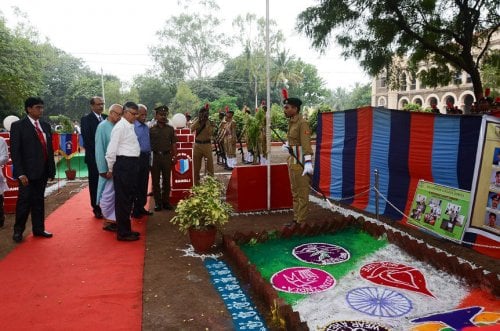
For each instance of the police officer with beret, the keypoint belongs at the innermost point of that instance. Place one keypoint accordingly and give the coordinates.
(163, 148)
(203, 129)
(300, 163)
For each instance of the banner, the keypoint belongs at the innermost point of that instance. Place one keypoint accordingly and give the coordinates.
(65, 143)
(440, 209)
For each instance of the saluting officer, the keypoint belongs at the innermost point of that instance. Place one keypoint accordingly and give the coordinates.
(163, 140)
(300, 163)
(203, 128)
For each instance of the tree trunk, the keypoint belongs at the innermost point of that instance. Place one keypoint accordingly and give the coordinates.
(477, 84)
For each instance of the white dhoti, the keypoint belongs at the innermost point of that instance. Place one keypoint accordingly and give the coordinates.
(107, 202)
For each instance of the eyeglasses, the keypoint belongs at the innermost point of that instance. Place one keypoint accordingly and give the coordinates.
(134, 113)
(116, 113)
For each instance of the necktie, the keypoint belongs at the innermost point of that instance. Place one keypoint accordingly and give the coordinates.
(99, 117)
(42, 139)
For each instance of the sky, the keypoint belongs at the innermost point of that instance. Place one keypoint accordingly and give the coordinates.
(115, 36)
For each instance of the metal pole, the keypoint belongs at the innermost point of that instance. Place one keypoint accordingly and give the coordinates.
(376, 193)
(268, 113)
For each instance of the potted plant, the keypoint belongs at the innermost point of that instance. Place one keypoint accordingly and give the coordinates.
(202, 213)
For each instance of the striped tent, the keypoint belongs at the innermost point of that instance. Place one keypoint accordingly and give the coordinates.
(403, 146)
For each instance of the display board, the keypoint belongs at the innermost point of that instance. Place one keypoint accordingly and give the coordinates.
(440, 209)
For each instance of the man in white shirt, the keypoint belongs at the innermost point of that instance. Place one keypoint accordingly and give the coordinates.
(122, 157)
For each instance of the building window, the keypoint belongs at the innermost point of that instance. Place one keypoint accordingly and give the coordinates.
(383, 81)
(403, 82)
(418, 101)
(413, 84)
(457, 79)
(381, 102)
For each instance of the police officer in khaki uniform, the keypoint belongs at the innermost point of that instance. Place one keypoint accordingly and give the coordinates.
(299, 143)
(163, 147)
(203, 129)
(229, 136)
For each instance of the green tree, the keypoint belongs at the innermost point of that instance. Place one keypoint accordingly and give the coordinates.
(310, 87)
(189, 46)
(441, 33)
(20, 68)
(251, 35)
(343, 99)
(153, 90)
(313, 118)
(185, 100)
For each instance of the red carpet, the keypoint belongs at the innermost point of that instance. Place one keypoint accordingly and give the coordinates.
(81, 279)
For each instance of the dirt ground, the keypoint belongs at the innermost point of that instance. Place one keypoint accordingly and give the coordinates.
(177, 293)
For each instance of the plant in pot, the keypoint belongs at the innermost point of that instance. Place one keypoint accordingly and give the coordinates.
(202, 213)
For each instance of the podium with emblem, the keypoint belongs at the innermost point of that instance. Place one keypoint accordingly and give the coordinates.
(182, 178)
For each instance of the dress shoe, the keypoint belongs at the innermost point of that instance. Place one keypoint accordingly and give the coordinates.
(44, 234)
(137, 214)
(168, 206)
(98, 214)
(146, 212)
(111, 227)
(129, 237)
(157, 207)
(228, 168)
(17, 237)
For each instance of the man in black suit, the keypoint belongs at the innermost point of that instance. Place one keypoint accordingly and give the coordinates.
(89, 124)
(33, 164)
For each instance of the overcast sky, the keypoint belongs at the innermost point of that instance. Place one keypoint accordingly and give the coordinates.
(115, 35)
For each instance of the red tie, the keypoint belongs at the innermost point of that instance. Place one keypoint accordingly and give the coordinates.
(42, 140)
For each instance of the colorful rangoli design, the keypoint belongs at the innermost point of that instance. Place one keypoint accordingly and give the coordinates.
(377, 301)
(302, 280)
(355, 326)
(321, 253)
(395, 275)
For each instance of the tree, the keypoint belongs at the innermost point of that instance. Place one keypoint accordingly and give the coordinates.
(185, 100)
(342, 99)
(439, 33)
(153, 90)
(20, 68)
(190, 46)
(251, 34)
(310, 87)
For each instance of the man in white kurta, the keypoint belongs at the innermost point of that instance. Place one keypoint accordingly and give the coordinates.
(105, 189)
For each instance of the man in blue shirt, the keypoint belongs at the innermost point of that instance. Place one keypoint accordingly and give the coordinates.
(142, 132)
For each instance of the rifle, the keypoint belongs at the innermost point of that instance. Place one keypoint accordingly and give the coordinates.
(238, 139)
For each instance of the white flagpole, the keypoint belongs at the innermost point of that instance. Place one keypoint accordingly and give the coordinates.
(268, 113)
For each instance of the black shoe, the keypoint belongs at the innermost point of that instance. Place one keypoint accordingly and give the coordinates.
(111, 227)
(129, 237)
(146, 212)
(157, 207)
(17, 237)
(43, 234)
(135, 233)
(2, 222)
(98, 214)
(168, 206)
(137, 214)
(228, 168)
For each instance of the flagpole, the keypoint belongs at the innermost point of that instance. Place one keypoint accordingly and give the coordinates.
(268, 112)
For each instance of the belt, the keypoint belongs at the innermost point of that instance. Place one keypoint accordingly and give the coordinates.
(161, 152)
(126, 157)
(202, 141)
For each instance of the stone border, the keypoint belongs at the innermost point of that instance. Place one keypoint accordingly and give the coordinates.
(283, 312)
